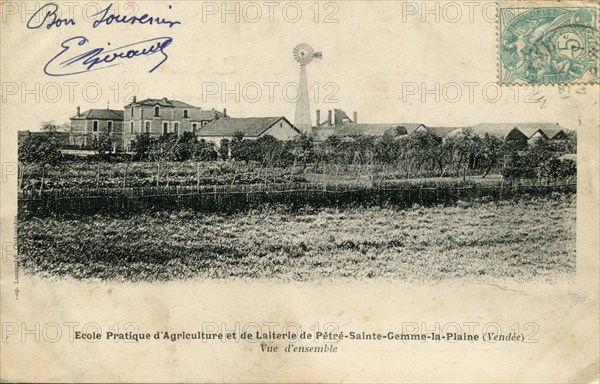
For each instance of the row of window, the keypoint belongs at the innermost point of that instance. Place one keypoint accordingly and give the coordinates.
(186, 113)
(96, 123)
(145, 127)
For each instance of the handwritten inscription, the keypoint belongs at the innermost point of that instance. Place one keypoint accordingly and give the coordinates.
(48, 16)
(71, 61)
(106, 19)
(76, 57)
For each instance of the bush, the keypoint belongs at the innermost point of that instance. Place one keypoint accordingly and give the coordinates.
(40, 149)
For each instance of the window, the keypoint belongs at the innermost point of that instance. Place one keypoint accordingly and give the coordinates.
(131, 127)
(165, 128)
(194, 127)
(157, 111)
(204, 122)
(95, 126)
(176, 126)
(185, 113)
(132, 111)
(109, 126)
(147, 127)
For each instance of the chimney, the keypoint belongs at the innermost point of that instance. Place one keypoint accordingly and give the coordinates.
(224, 112)
(318, 117)
(329, 118)
(164, 99)
(134, 100)
(78, 111)
(355, 117)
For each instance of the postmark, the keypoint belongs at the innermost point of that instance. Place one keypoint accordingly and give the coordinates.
(548, 45)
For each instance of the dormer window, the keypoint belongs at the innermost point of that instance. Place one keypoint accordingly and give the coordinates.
(157, 111)
(186, 114)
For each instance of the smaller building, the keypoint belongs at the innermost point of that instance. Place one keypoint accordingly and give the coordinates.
(251, 127)
(549, 131)
(88, 126)
(349, 130)
(440, 132)
(509, 133)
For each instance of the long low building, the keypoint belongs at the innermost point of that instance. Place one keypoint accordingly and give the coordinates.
(519, 132)
(349, 130)
(250, 127)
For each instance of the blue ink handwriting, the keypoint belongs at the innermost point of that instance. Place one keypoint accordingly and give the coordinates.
(66, 63)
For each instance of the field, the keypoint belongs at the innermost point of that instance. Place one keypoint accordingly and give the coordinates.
(95, 174)
(523, 238)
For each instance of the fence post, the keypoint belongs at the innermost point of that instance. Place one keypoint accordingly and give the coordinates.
(197, 177)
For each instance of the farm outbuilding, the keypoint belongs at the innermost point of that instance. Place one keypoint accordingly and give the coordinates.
(251, 127)
(348, 130)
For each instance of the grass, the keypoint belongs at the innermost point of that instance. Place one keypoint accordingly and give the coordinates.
(523, 239)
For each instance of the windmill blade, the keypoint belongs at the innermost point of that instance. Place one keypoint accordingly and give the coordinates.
(303, 53)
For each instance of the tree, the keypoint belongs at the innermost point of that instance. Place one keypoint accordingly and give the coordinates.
(142, 146)
(102, 144)
(490, 153)
(424, 151)
(186, 147)
(302, 148)
(224, 149)
(165, 148)
(463, 149)
(40, 149)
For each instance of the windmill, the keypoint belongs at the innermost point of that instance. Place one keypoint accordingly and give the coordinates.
(304, 53)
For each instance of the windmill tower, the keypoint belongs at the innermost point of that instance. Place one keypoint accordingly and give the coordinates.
(304, 53)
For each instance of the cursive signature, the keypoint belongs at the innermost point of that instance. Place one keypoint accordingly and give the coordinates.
(70, 62)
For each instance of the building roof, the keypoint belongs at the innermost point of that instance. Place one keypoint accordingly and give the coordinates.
(440, 131)
(498, 130)
(411, 127)
(164, 102)
(353, 129)
(528, 129)
(548, 129)
(99, 114)
(250, 126)
(210, 114)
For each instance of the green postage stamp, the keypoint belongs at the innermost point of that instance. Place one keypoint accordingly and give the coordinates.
(548, 45)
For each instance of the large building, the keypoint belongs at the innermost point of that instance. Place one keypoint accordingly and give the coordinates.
(88, 126)
(251, 127)
(161, 116)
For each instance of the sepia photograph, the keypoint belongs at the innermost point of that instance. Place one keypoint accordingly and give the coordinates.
(301, 190)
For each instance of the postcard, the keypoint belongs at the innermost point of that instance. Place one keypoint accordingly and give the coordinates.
(300, 191)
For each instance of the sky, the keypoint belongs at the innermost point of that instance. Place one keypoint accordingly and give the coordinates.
(390, 61)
